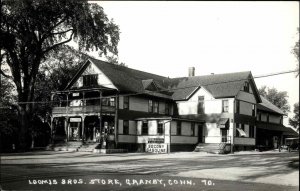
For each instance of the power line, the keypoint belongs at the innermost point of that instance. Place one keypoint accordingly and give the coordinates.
(274, 74)
(163, 90)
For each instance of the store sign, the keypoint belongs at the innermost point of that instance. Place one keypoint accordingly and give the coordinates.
(156, 148)
(75, 119)
(156, 140)
(75, 94)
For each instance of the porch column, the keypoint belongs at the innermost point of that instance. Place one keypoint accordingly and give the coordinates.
(51, 129)
(66, 126)
(100, 108)
(116, 119)
(67, 106)
(83, 128)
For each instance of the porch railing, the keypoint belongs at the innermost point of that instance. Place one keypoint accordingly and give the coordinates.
(83, 109)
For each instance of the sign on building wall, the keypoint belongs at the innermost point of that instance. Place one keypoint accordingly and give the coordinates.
(156, 140)
(156, 148)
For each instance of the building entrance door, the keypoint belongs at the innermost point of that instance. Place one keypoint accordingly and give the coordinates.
(75, 131)
(200, 133)
(224, 135)
(90, 132)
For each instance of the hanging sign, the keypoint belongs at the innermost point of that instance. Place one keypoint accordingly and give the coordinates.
(75, 94)
(75, 119)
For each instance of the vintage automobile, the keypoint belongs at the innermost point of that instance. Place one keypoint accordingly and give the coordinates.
(292, 144)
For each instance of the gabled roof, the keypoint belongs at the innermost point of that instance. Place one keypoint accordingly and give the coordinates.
(219, 85)
(266, 105)
(135, 81)
(131, 80)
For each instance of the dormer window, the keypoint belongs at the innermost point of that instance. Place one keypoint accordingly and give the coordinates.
(150, 85)
(90, 80)
(246, 87)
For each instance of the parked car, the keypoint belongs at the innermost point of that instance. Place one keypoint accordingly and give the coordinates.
(292, 144)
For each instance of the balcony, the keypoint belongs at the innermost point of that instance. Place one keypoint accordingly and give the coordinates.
(83, 109)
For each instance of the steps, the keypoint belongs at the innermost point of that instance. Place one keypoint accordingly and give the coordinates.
(207, 147)
(88, 147)
(65, 146)
(215, 148)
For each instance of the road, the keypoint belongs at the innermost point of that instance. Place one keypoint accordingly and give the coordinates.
(49, 170)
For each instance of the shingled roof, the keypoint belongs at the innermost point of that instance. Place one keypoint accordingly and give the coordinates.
(131, 80)
(266, 105)
(219, 85)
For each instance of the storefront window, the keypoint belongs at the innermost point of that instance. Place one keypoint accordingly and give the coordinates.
(160, 128)
(145, 128)
(178, 129)
(193, 128)
(125, 127)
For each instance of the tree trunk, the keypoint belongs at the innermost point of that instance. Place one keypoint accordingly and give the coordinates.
(24, 142)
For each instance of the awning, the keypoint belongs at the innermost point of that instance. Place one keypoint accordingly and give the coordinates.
(241, 132)
(223, 123)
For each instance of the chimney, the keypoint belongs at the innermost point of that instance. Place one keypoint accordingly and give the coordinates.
(191, 71)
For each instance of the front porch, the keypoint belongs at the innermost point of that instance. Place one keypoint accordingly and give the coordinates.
(84, 129)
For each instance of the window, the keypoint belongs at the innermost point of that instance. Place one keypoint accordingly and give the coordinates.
(126, 102)
(281, 119)
(178, 128)
(150, 106)
(253, 110)
(145, 128)
(201, 105)
(268, 116)
(155, 106)
(167, 108)
(90, 80)
(193, 128)
(160, 128)
(125, 127)
(112, 101)
(237, 106)
(259, 116)
(237, 125)
(246, 87)
(251, 131)
(225, 106)
(243, 127)
(104, 101)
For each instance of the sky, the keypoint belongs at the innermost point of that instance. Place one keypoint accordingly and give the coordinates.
(166, 38)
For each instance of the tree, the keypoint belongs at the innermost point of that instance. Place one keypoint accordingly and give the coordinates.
(55, 72)
(32, 29)
(294, 122)
(295, 51)
(6, 89)
(278, 98)
(115, 60)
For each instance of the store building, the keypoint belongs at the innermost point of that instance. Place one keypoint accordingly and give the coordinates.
(121, 108)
